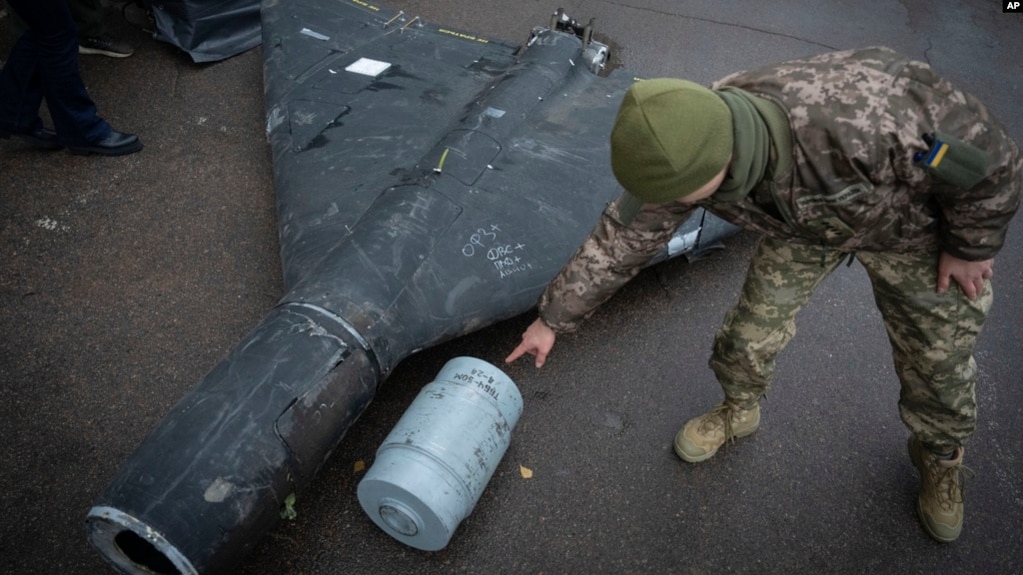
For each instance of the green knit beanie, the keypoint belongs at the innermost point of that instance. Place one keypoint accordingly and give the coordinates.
(670, 138)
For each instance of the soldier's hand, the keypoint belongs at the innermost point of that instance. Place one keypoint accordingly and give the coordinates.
(969, 275)
(537, 340)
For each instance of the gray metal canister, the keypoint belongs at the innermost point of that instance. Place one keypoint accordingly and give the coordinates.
(434, 465)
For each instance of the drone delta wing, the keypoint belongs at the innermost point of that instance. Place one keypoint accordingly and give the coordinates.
(505, 151)
(437, 192)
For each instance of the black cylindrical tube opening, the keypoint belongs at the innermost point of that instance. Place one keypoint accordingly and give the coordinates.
(144, 553)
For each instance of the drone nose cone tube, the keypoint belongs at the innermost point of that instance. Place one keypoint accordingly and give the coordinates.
(433, 466)
(216, 473)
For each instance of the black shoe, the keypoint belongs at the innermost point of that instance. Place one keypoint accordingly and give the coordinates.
(116, 144)
(105, 46)
(42, 138)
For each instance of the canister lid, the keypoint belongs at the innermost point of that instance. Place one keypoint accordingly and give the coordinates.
(411, 517)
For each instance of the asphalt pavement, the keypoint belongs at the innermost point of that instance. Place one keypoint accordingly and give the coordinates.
(124, 280)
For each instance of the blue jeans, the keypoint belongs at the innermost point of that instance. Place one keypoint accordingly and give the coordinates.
(44, 64)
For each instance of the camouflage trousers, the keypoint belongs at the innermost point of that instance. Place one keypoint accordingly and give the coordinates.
(932, 336)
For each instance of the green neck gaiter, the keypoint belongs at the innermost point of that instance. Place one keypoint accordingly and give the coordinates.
(758, 125)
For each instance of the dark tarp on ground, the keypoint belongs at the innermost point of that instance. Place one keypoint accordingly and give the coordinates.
(208, 30)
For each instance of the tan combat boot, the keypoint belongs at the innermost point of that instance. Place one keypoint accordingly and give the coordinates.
(701, 437)
(940, 504)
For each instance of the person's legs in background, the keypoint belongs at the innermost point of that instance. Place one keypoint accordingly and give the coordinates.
(44, 64)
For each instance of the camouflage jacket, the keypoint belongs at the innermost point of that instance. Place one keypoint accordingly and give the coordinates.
(856, 182)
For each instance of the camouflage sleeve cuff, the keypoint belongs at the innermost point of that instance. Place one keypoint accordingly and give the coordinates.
(613, 254)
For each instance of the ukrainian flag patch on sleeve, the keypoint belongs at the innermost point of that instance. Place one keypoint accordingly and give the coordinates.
(954, 161)
(937, 154)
